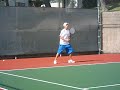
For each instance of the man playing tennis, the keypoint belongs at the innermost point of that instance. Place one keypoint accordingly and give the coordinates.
(65, 43)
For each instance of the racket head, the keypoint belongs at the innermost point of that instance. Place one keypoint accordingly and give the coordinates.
(72, 30)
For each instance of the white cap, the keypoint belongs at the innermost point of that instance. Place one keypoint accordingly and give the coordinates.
(65, 23)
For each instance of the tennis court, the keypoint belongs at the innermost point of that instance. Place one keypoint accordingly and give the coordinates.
(83, 75)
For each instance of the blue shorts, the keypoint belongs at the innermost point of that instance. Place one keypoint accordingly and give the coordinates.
(68, 49)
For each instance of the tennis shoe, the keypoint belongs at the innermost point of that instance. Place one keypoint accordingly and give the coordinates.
(55, 62)
(71, 61)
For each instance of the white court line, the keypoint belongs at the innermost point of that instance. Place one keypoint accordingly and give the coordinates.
(62, 66)
(58, 84)
(104, 86)
(3, 88)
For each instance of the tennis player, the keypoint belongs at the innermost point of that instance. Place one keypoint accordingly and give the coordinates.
(64, 43)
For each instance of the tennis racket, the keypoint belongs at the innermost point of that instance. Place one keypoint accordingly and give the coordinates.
(72, 30)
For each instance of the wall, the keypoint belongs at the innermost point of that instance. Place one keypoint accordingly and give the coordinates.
(111, 32)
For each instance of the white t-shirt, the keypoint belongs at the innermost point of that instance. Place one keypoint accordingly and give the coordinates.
(66, 34)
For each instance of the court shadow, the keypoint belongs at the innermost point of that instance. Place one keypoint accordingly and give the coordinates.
(87, 60)
(8, 86)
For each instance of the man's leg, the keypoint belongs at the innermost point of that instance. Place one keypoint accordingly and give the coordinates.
(55, 60)
(69, 50)
(70, 59)
(70, 56)
(60, 49)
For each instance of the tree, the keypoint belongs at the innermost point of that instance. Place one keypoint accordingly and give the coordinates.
(47, 3)
(89, 3)
(103, 5)
(7, 2)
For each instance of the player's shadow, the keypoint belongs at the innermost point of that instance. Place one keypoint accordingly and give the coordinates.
(8, 86)
(82, 61)
(87, 61)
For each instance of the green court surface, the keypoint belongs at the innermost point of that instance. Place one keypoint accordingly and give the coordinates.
(83, 77)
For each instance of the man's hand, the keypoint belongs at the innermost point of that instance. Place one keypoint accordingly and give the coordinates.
(66, 40)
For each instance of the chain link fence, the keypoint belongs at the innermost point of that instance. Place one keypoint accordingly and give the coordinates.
(33, 26)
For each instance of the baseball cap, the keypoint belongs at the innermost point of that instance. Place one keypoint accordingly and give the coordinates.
(65, 23)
